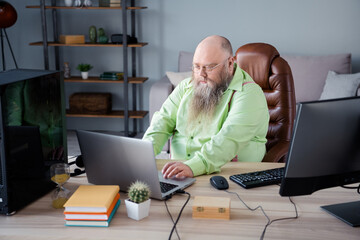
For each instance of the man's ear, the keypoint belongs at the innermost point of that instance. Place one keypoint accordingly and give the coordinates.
(231, 64)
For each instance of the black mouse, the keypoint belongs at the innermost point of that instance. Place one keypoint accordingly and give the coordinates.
(219, 182)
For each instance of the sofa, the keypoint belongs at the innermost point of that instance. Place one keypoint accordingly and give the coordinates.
(315, 77)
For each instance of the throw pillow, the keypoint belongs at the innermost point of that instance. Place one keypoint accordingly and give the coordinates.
(340, 85)
(176, 77)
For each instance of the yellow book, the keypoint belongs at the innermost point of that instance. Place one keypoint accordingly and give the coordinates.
(92, 198)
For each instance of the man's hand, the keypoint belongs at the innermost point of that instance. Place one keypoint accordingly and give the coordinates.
(176, 169)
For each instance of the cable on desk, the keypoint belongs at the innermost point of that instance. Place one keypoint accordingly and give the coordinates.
(167, 209)
(358, 188)
(182, 208)
(269, 221)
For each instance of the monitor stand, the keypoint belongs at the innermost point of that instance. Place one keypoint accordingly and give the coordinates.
(347, 212)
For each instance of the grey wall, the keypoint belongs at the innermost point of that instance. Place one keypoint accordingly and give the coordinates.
(307, 27)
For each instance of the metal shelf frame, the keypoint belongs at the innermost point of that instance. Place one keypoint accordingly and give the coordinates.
(127, 5)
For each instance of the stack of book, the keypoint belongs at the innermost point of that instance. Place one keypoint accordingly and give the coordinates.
(109, 3)
(112, 76)
(115, 3)
(92, 206)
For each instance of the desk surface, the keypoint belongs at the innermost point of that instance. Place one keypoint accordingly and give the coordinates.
(40, 221)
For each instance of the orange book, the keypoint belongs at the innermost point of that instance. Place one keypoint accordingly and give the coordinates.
(91, 215)
(92, 198)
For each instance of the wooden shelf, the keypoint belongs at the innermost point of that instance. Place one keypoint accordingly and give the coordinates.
(57, 44)
(112, 114)
(87, 8)
(135, 80)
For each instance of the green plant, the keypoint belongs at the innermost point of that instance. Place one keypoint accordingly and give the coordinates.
(84, 67)
(139, 192)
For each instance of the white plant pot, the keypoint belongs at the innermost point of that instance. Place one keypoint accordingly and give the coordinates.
(84, 75)
(137, 211)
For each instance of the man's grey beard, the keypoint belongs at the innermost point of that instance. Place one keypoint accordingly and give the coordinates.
(206, 97)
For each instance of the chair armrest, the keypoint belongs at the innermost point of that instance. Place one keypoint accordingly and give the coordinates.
(159, 92)
(278, 153)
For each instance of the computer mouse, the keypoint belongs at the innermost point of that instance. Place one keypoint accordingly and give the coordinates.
(219, 182)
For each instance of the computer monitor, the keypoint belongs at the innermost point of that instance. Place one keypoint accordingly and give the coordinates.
(325, 152)
(32, 135)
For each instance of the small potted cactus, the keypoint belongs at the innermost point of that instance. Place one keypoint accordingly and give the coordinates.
(138, 204)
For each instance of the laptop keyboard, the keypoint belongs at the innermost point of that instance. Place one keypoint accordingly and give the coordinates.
(165, 187)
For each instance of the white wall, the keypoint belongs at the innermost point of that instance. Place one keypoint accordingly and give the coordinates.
(307, 27)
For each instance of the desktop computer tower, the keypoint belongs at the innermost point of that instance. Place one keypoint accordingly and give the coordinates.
(32, 135)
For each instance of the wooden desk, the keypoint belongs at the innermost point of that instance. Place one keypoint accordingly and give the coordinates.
(40, 221)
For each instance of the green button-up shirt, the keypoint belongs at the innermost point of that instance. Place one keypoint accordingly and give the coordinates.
(235, 129)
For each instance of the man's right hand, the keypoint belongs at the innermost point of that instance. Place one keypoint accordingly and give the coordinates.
(176, 169)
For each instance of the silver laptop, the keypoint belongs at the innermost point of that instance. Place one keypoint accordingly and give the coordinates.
(115, 160)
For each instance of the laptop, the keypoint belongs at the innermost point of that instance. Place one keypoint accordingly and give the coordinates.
(117, 160)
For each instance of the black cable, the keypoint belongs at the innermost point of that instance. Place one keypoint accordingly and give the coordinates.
(343, 186)
(177, 220)
(269, 221)
(280, 219)
(167, 209)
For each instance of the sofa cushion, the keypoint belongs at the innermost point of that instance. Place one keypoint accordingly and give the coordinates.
(185, 61)
(309, 73)
(176, 77)
(340, 85)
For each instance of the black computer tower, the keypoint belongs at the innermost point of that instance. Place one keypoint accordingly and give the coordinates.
(32, 135)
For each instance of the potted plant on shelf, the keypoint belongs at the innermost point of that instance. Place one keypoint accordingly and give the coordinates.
(138, 204)
(84, 68)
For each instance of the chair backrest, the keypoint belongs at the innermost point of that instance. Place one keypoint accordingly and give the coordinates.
(273, 74)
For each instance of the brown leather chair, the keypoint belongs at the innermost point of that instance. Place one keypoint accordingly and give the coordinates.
(273, 74)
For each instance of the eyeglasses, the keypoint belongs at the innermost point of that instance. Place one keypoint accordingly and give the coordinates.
(208, 68)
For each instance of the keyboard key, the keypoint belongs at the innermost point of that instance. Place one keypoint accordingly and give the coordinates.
(165, 187)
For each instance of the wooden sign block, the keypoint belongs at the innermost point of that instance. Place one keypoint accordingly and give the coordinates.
(211, 207)
(68, 39)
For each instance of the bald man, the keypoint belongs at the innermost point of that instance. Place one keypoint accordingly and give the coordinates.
(217, 115)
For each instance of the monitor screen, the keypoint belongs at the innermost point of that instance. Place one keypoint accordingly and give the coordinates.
(32, 134)
(325, 147)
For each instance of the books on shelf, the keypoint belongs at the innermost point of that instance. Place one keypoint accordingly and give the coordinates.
(109, 3)
(92, 205)
(92, 198)
(93, 223)
(112, 76)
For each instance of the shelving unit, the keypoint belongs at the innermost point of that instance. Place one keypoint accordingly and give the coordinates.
(129, 79)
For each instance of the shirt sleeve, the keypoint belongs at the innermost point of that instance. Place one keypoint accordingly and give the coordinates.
(247, 119)
(163, 122)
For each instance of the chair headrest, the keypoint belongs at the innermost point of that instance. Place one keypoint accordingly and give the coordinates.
(256, 59)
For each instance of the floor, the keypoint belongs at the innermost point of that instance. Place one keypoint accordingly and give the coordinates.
(74, 149)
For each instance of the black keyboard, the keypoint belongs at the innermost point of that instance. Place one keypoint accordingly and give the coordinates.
(165, 187)
(259, 179)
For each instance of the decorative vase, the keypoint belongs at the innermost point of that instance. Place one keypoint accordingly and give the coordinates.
(92, 34)
(102, 37)
(66, 70)
(137, 211)
(87, 3)
(84, 75)
(68, 3)
(77, 3)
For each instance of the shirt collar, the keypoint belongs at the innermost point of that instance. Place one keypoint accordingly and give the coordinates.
(238, 79)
